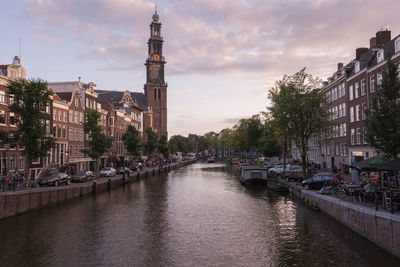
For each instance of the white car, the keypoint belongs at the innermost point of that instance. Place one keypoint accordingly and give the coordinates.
(107, 172)
(277, 170)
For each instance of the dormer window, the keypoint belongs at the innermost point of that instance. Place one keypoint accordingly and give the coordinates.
(380, 56)
(357, 67)
(397, 45)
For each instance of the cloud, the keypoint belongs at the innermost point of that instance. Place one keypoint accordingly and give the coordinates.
(275, 36)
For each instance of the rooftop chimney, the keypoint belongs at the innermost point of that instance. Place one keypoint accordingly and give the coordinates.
(382, 37)
(372, 42)
(360, 51)
(339, 66)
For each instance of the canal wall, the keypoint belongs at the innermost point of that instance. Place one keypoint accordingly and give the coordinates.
(379, 226)
(17, 202)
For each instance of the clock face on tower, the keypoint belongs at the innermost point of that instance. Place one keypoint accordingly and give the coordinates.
(156, 57)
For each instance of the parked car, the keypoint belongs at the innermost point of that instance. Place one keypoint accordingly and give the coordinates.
(277, 170)
(82, 176)
(107, 172)
(268, 165)
(55, 179)
(319, 180)
(122, 170)
(293, 173)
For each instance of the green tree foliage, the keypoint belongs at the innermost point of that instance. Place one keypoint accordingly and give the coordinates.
(178, 143)
(383, 119)
(225, 142)
(298, 108)
(163, 146)
(212, 142)
(98, 143)
(203, 143)
(151, 141)
(29, 99)
(247, 133)
(268, 142)
(132, 141)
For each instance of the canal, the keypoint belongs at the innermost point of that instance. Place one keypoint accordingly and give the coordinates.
(199, 215)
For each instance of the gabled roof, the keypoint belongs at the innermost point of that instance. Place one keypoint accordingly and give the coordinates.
(66, 96)
(106, 97)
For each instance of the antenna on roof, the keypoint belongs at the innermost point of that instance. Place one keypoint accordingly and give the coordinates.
(20, 41)
(79, 78)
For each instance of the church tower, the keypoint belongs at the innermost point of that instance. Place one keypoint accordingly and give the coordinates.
(155, 88)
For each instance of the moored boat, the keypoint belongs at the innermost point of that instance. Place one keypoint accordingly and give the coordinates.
(252, 175)
(276, 184)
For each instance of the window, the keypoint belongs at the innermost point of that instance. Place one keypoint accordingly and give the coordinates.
(71, 116)
(365, 135)
(340, 111)
(344, 109)
(351, 92)
(76, 102)
(81, 117)
(357, 67)
(12, 163)
(12, 119)
(64, 115)
(21, 163)
(59, 131)
(380, 56)
(379, 79)
(64, 133)
(351, 114)
(363, 87)
(397, 45)
(55, 130)
(352, 136)
(55, 115)
(357, 112)
(344, 129)
(3, 97)
(372, 84)
(337, 150)
(60, 118)
(356, 86)
(363, 109)
(2, 117)
(71, 133)
(343, 89)
(159, 93)
(358, 132)
(76, 113)
(155, 93)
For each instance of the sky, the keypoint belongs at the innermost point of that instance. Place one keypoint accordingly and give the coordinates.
(222, 55)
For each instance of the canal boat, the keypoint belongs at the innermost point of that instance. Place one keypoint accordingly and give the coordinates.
(276, 184)
(252, 175)
(211, 160)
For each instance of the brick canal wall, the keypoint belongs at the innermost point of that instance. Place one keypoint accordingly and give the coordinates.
(17, 202)
(381, 227)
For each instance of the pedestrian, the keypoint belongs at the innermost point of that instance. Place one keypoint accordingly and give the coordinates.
(355, 176)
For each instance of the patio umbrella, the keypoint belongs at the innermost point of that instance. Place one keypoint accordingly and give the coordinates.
(372, 164)
(393, 165)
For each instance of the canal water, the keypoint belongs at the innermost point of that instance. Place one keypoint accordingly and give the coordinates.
(199, 215)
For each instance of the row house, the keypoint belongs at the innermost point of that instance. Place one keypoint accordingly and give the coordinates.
(11, 156)
(349, 92)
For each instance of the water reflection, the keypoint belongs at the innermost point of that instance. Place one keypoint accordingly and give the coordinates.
(199, 215)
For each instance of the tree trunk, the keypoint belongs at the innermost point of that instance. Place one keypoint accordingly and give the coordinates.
(97, 168)
(27, 165)
(304, 165)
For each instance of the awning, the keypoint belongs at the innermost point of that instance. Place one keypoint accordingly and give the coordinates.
(393, 165)
(372, 164)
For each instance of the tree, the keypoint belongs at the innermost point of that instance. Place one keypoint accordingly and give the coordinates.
(299, 110)
(383, 120)
(247, 133)
(29, 100)
(98, 143)
(268, 142)
(225, 142)
(132, 141)
(163, 146)
(151, 141)
(179, 143)
(203, 144)
(212, 142)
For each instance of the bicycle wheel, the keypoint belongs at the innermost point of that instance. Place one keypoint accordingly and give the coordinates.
(339, 192)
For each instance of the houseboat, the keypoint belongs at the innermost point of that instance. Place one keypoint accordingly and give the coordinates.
(252, 175)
